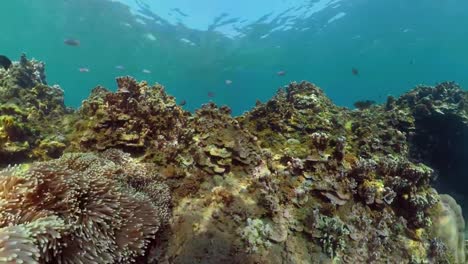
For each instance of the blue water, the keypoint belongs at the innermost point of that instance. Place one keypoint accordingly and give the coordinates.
(193, 47)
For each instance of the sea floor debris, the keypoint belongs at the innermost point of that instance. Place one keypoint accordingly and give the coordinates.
(295, 180)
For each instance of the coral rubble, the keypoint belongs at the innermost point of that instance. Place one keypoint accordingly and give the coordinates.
(295, 180)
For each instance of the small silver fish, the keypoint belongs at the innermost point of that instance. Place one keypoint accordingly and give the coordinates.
(228, 82)
(146, 71)
(83, 69)
(281, 73)
(120, 67)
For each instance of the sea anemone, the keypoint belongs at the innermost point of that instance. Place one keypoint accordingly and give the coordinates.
(73, 210)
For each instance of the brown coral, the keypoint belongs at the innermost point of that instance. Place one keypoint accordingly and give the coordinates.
(138, 118)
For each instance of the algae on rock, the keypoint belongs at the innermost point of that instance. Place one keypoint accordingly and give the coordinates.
(31, 114)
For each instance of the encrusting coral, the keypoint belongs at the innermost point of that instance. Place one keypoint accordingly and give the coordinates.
(295, 180)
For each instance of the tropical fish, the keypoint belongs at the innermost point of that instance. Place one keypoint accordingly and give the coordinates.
(71, 42)
(120, 67)
(211, 94)
(228, 82)
(123, 90)
(83, 69)
(146, 71)
(182, 103)
(5, 62)
(281, 73)
(355, 71)
(364, 104)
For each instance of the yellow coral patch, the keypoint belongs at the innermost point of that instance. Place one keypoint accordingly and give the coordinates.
(378, 185)
(419, 233)
(349, 126)
(416, 249)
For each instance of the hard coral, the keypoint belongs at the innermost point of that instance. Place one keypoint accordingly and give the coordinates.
(25, 74)
(138, 118)
(30, 114)
(331, 233)
(256, 234)
(220, 142)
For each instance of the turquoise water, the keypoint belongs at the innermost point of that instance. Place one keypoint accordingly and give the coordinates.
(194, 47)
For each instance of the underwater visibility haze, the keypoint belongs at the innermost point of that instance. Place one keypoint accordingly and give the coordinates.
(215, 131)
(193, 49)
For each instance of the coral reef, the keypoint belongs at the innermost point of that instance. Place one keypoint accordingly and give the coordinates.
(31, 113)
(138, 118)
(440, 133)
(295, 180)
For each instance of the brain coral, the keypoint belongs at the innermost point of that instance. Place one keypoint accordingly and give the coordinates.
(73, 210)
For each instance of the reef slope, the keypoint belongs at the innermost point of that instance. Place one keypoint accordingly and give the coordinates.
(295, 180)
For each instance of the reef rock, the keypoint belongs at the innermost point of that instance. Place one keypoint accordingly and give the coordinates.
(138, 118)
(31, 113)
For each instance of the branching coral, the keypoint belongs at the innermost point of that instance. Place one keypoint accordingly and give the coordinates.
(332, 234)
(256, 234)
(73, 210)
